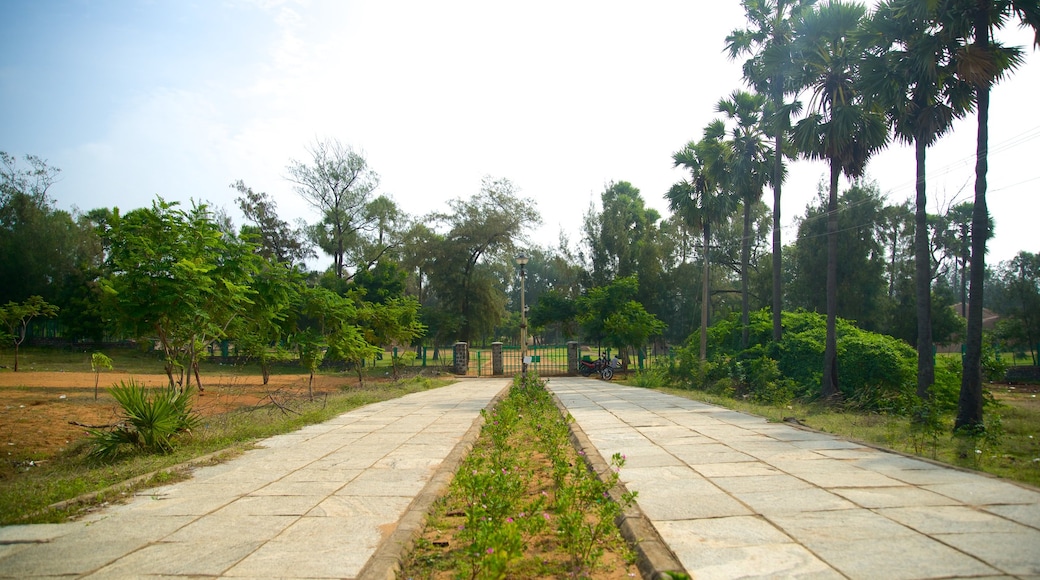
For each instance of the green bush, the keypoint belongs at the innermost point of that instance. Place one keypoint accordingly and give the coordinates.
(765, 384)
(946, 389)
(150, 423)
(875, 372)
(650, 379)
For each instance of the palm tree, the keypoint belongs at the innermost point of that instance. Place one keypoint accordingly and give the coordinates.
(701, 200)
(909, 70)
(982, 62)
(749, 169)
(769, 70)
(840, 127)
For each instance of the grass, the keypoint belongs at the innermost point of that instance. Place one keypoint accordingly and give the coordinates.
(1011, 451)
(26, 497)
(134, 360)
(524, 504)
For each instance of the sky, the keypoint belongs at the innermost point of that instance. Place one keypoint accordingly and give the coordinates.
(134, 99)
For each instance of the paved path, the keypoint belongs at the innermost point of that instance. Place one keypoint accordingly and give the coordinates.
(737, 497)
(322, 502)
(732, 495)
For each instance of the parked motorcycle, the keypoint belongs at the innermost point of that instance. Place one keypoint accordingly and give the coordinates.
(602, 366)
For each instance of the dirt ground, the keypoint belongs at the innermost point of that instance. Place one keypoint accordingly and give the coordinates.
(38, 409)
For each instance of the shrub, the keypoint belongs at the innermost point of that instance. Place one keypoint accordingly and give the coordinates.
(765, 383)
(877, 372)
(150, 423)
(946, 389)
(650, 379)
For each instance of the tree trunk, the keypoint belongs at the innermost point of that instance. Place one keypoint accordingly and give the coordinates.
(778, 168)
(745, 258)
(829, 388)
(923, 286)
(705, 292)
(969, 404)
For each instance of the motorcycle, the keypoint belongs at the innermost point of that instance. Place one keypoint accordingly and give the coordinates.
(602, 366)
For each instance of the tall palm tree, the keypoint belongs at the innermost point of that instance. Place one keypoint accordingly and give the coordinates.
(909, 70)
(982, 62)
(701, 200)
(750, 165)
(769, 70)
(840, 127)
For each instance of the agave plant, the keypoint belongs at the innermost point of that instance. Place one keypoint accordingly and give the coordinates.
(150, 421)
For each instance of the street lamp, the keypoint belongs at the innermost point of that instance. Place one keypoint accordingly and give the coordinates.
(522, 260)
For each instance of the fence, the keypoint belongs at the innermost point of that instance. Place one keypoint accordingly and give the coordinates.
(545, 360)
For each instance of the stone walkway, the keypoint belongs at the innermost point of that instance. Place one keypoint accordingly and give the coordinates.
(731, 495)
(735, 496)
(328, 501)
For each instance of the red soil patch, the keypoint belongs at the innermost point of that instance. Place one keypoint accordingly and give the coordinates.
(37, 408)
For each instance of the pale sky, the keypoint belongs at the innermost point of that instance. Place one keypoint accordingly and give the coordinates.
(180, 98)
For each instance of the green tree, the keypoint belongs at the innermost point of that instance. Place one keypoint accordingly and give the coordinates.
(264, 324)
(750, 164)
(276, 239)
(840, 127)
(43, 251)
(466, 261)
(177, 278)
(16, 317)
(394, 322)
(701, 201)
(340, 185)
(861, 288)
(1020, 281)
(609, 315)
(910, 69)
(384, 282)
(770, 70)
(982, 62)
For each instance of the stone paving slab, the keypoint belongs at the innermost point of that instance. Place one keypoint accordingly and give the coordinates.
(316, 503)
(752, 499)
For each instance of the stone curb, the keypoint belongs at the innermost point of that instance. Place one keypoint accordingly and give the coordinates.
(656, 559)
(386, 562)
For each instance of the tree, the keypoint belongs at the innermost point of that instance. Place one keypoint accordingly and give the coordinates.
(16, 317)
(609, 315)
(43, 251)
(910, 70)
(177, 278)
(275, 238)
(750, 162)
(1020, 281)
(394, 321)
(982, 61)
(770, 71)
(340, 185)
(841, 127)
(265, 319)
(861, 288)
(701, 201)
(481, 237)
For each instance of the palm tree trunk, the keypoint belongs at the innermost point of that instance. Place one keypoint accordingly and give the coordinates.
(969, 404)
(923, 271)
(778, 330)
(829, 389)
(705, 294)
(745, 258)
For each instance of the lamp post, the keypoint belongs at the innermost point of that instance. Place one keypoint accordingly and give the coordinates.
(522, 260)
